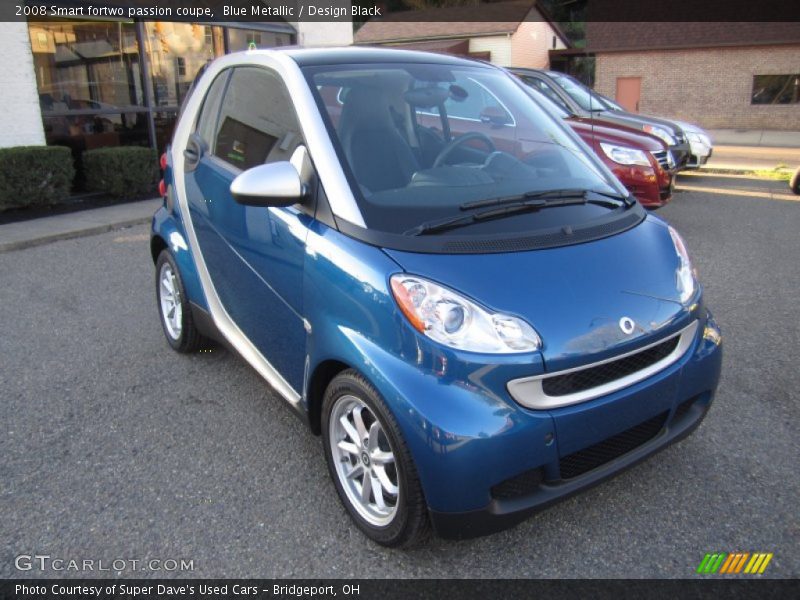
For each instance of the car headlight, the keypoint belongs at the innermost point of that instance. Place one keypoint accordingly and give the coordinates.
(698, 138)
(685, 275)
(661, 133)
(451, 319)
(624, 155)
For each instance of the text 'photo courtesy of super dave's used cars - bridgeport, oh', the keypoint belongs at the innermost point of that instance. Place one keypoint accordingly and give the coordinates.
(437, 274)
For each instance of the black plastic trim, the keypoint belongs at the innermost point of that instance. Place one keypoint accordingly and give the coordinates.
(616, 222)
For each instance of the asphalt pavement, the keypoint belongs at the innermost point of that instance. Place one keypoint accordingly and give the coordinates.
(114, 447)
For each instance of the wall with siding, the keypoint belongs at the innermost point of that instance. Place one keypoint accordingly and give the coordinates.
(21, 118)
(498, 45)
(531, 43)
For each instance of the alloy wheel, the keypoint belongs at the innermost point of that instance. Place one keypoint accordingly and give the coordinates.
(169, 297)
(364, 461)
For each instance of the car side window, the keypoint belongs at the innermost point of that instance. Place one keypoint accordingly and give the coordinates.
(207, 119)
(476, 102)
(257, 123)
(546, 89)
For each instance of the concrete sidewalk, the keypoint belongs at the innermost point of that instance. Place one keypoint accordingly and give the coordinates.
(755, 137)
(740, 150)
(24, 234)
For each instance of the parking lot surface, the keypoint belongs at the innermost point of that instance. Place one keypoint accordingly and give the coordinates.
(114, 447)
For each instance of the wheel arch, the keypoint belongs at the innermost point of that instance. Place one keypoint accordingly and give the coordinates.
(318, 382)
(157, 245)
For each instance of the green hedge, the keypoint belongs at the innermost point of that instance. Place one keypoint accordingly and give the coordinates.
(123, 172)
(34, 175)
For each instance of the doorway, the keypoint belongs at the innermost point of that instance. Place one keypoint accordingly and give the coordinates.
(629, 90)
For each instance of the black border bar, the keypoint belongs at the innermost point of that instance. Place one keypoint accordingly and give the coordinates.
(361, 10)
(394, 589)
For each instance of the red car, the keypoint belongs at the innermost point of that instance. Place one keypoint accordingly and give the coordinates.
(642, 162)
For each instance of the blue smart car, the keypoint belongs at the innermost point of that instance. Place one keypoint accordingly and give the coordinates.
(437, 275)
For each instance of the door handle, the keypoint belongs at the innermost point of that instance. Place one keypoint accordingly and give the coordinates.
(195, 148)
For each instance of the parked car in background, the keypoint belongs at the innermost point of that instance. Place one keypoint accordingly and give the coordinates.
(477, 328)
(641, 162)
(571, 94)
(700, 144)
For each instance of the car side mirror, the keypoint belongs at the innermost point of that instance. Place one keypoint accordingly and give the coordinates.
(273, 184)
(495, 116)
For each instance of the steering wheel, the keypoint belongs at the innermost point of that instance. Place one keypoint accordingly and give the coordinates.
(445, 153)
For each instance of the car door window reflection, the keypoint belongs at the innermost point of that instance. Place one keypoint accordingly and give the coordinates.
(257, 124)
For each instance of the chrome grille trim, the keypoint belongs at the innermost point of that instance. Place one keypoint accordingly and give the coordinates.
(528, 391)
(662, 157)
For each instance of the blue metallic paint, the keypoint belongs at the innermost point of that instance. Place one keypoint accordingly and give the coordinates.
(255, 257)
(465, 432)
(165, 225)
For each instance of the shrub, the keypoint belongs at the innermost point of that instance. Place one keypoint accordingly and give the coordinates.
(123, 172)
(34, 175)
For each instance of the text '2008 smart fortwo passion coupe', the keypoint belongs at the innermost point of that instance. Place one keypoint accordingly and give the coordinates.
(438, 275)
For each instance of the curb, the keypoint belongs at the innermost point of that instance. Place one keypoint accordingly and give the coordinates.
(68, 235)
(749, 173)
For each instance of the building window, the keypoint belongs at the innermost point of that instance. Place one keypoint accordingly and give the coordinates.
(176, 52)
(776, 89)
(240, 39)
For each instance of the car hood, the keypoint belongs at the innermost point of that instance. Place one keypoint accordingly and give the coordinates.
(616, 134)
(574, 296)
(689, 127)
(637, 120)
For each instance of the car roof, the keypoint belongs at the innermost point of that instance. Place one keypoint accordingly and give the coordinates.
(365, 55)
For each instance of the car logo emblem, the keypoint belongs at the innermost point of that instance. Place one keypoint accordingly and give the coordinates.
(627, 325)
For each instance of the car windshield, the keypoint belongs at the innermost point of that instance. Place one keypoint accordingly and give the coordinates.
(425, 142)
(610, 104)
(586, 98)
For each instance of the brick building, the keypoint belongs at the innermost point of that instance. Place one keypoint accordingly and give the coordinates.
(718, 75)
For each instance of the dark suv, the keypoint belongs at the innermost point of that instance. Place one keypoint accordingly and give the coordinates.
(577, 99)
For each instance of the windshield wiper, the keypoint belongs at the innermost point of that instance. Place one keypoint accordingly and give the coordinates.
(506, 205)
(549, 196)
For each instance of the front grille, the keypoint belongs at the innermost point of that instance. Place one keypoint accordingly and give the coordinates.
(592, 457)
(518, 486)
(662, 156)
(585, 379)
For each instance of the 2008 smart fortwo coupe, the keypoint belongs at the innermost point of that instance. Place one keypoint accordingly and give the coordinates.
(441, 278)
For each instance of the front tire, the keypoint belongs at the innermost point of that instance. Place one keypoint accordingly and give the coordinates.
(173, 307)
(794, 184)
(370, 464)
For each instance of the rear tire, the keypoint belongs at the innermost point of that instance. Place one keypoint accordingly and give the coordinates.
(174, 309)
(370, 449)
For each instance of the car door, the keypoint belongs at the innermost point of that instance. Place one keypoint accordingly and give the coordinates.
(254, 255)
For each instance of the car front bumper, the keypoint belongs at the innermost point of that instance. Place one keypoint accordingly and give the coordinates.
(681, 153)
(496, 476)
